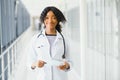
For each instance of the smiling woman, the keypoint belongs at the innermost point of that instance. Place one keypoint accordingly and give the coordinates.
(50, 21)
(49, 52)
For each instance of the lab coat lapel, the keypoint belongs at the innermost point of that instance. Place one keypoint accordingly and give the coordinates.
(56, 42)
(45, 44)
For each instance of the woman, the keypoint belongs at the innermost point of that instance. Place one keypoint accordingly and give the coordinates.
(48, 53)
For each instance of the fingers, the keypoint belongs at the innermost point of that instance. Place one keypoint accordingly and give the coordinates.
(33, 66)
(63, 66)
(67, 64)
(40, 63)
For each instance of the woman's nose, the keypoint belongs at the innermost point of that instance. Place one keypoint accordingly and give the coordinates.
(50, 19)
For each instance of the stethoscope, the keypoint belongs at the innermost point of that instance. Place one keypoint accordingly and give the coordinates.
(63, 56)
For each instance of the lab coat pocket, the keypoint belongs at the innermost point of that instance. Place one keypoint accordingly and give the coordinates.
(38, 48)
(39, 51)
(42, 52)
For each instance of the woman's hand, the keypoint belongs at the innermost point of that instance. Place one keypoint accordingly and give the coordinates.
(38, 64)
(64, 66)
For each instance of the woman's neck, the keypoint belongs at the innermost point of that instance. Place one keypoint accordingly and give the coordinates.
(49, 31)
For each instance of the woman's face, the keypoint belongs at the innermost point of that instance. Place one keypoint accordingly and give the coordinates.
(50, 20)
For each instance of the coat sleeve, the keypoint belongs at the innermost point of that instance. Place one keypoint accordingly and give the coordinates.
(31, 53)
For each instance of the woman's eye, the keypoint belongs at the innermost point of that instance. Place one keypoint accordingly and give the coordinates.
(50, 18)
(54, 17)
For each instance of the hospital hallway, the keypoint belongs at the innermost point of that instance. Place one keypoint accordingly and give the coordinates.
(92, 28)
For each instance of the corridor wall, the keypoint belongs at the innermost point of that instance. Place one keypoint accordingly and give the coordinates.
(103, 51)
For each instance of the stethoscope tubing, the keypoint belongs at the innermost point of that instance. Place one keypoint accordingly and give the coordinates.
(63, 43)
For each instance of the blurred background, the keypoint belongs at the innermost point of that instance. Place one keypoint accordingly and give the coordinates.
(92, 28)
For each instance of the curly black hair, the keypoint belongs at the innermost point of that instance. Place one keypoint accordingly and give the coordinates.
(59, 15)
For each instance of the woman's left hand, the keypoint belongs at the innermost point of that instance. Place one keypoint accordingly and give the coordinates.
(64, 66)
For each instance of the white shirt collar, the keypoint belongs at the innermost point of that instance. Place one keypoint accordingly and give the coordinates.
(58, 34)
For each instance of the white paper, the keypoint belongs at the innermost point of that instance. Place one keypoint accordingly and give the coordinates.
(54, 62)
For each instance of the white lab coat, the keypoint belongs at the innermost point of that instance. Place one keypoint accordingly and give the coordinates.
(40, 50)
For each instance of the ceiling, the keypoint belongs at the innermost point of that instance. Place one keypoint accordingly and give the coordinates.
(36, 6)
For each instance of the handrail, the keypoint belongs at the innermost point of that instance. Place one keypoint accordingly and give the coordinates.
(10, 61)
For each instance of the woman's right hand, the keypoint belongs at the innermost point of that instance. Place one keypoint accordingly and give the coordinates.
(38, 64)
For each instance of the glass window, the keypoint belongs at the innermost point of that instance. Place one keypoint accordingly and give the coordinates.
(0, 28)
(95, 12)
(5, 60)
(103, 39)
(95, 60)
(6, 74)
(0, 67)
